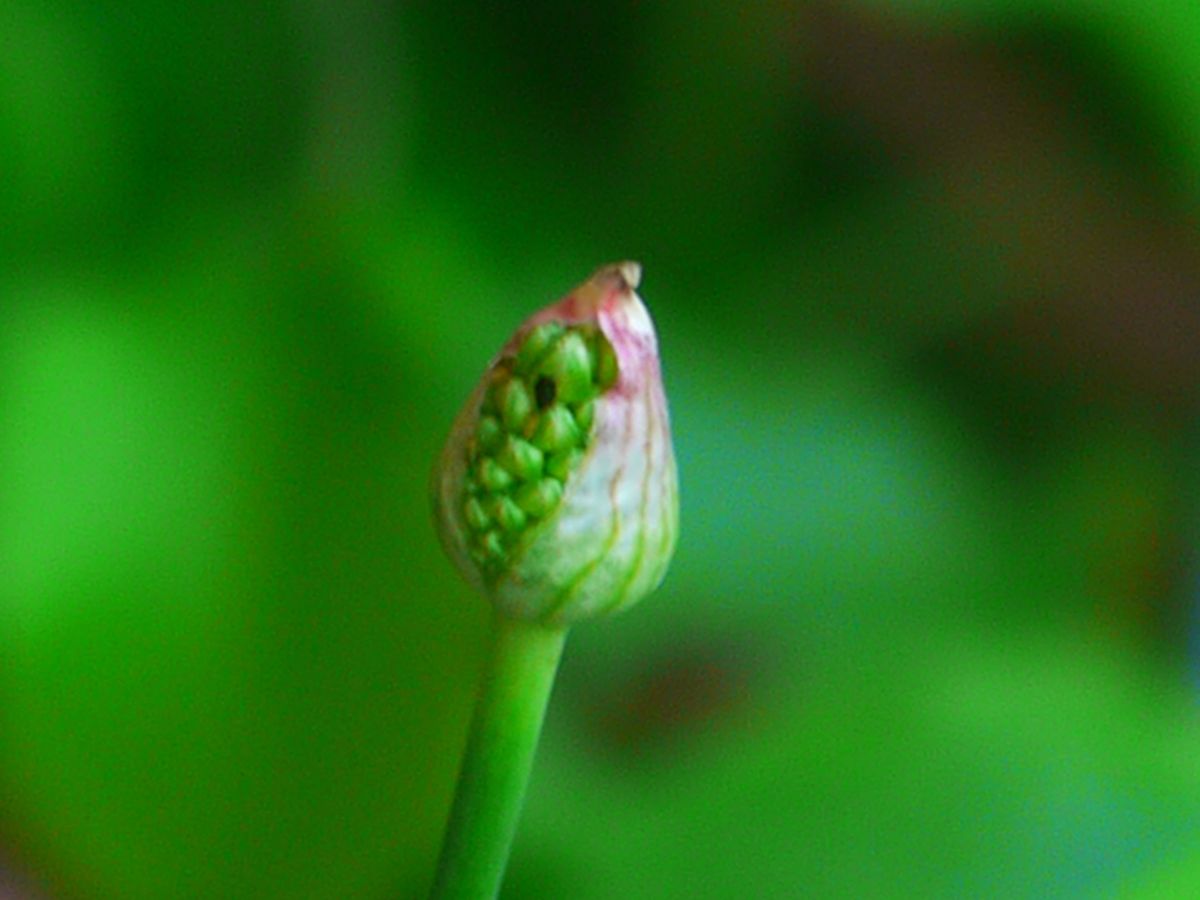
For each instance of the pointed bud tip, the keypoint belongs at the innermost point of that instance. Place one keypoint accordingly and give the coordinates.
(631, 273)
(627, 275)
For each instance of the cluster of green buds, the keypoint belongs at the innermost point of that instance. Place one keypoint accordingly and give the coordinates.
(556, 494)
(533, 430)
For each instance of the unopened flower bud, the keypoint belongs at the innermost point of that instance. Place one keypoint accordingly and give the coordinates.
(538, 341)
(514, 403)
(556, 494)
(556, 430)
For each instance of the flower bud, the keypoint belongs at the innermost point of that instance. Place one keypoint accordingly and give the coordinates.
(556, 494)
(557, 430)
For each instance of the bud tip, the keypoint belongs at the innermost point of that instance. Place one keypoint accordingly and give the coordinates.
(631, 273)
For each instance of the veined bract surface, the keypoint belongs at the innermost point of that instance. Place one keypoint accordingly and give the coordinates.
(556, 494)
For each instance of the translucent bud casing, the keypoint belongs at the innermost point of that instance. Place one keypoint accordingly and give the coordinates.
(556, 494)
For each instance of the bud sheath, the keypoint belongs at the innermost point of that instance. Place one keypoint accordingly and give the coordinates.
(556, 494)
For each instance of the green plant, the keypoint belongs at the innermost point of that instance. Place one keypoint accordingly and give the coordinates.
(556, 496)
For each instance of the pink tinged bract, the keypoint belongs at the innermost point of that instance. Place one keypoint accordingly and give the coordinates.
(610, 535)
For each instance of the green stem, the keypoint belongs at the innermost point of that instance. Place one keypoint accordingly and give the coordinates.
(495, 769)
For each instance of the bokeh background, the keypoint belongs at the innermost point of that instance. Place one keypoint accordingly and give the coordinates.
(926, 276)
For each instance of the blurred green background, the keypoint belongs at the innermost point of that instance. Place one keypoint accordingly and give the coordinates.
(926, 278)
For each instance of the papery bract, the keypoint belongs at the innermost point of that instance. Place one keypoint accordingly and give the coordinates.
(556, 494)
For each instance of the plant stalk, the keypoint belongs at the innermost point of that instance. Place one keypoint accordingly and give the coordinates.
(499, 756)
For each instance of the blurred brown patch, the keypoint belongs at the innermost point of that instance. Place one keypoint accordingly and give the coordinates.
(1109, 271)
(672, 697)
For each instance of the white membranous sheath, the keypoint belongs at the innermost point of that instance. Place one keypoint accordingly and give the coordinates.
(557, 495)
